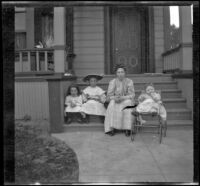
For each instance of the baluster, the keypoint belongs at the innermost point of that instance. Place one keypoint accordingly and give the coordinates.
(45, 61)
(20, 61)
(172, 61)
(37, 61)
(29, 61)
(176, 60)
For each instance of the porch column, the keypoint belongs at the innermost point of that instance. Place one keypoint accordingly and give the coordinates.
(186, 37)
(159, 38)
(59, 39)
(30, 42)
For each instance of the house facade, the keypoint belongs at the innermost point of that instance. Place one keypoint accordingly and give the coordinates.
(93, 39)
(50, 42)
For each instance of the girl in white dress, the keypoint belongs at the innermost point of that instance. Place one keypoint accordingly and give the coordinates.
(149, 102)
(93, 97)
(73, 103)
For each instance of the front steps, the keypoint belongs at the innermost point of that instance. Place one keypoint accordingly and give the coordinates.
(177, 112)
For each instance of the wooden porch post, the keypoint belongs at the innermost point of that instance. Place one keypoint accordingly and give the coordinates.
(59, 39)
(30, 35)
(186, 37)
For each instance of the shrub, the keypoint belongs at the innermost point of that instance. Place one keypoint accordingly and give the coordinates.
(42, 158)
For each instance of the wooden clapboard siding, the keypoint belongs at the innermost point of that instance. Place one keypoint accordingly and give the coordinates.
(31, 98)
(88, 40)
(88, 36)
(91, 65)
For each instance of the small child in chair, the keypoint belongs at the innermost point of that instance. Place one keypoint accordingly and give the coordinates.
(93, 97)
(150, 102)
(73, 103)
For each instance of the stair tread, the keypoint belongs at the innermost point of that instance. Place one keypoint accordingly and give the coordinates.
(174, 99)
(179, 110)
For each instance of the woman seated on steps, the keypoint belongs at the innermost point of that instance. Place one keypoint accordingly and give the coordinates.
(94, 98)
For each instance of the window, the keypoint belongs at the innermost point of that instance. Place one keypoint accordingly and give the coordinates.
(174, 26)
(47, 27)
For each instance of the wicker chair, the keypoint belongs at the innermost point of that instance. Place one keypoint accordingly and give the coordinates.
(136, 125)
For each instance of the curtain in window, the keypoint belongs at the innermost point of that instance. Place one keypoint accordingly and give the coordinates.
(47, 30)
(20, 40)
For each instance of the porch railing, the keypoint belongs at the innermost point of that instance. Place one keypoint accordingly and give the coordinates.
(172, 60)
(34, 60)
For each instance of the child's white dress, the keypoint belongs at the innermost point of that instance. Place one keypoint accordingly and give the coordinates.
(77, 100)
(151, 103)
(93, 107)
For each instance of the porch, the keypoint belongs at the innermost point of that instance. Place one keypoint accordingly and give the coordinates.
(91, 40)
(83, 43)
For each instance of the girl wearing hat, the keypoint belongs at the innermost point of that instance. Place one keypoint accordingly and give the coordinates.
(120, 94)
(93, 97)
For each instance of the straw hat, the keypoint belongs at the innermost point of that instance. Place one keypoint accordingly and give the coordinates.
(88, 77)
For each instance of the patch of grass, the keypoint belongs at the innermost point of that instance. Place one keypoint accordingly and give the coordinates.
(42, 158)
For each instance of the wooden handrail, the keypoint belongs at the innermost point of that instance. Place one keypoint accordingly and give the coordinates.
(34, 49)
(171, 50)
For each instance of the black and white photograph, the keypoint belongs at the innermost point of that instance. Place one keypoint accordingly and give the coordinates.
(101, 92)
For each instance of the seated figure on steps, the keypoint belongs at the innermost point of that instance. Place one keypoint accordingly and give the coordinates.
(93, 98)
(150, 102)
(73, 104)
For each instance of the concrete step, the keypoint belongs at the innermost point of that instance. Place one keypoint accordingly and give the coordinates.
(143, 78)
(76, 127)
(139, 86)
(167, 93)
(171, 103)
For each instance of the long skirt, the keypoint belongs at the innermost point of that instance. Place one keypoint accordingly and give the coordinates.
(93, 107)
(117, 118)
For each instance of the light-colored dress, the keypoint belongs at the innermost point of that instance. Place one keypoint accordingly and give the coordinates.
(151, 103)
(93, 107)
(77, 100)
(116, 117)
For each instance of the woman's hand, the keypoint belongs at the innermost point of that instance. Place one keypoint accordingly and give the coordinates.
(118, 99)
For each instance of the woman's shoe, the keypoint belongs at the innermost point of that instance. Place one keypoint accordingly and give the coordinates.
(111, 133)
(128, 133)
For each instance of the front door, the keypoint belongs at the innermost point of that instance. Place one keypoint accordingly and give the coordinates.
(127, 39)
